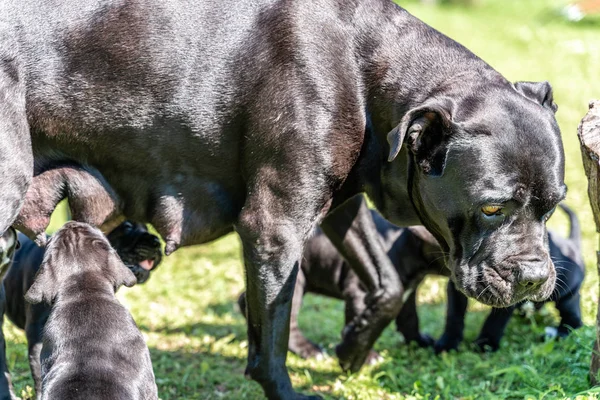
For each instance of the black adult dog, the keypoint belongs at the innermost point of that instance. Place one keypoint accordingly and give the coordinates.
(137, 248)
(567, 257)
(264, 116)
(92, 348)
(413, 251)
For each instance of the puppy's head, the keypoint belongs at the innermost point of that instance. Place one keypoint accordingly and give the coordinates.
(8, 244)
(486, 170)
(139, 249)
(77, 250)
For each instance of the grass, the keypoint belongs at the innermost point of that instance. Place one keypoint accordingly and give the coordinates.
(197, 336)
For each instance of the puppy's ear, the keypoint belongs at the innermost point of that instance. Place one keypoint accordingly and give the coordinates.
(118, 272)
(45, 284)
(540, 92)
(426, 130)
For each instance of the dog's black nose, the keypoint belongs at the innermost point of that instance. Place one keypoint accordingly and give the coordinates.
(533, 273)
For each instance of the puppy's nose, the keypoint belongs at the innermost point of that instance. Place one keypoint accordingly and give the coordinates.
(155, 242)
(533, 273)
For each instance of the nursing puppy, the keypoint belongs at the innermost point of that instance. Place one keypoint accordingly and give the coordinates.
(138, 249)
(92, 348)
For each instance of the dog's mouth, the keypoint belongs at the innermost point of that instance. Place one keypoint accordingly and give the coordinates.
(143, 269)
(487, 285)
(147, 264)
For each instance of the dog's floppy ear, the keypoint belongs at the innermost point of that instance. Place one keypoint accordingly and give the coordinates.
(426, 129)
(118, 273)
(45, 284)
(540, 92)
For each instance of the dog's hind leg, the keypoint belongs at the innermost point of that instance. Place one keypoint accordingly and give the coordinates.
(351, 229)
(91, 199)
(569, 308)
(16, 156)
(34, 332)
(298, 343)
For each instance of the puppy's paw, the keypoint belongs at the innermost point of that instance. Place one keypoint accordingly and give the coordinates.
(446, 343)
(424, 340)
(373, 358)
(550, 333)
(485, 344)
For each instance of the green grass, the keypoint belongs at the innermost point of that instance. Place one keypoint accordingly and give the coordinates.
(197, 336)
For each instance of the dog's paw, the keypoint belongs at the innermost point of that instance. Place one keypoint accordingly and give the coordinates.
(354, 349)
(424, 340)
(486, 344)
(307, 349)
(446, 343)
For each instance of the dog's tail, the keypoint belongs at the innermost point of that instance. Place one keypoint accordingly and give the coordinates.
(575, 230)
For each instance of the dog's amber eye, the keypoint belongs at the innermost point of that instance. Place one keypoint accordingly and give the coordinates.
(490, 210)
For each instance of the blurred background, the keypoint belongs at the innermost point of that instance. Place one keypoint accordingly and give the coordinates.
(197, 336)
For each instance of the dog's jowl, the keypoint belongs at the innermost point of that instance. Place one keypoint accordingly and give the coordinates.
(265, 116)
(92, 348)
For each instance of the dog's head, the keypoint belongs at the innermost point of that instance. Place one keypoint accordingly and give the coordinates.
(139, 249)
(9, 243)
(485, 172)
(77, 251)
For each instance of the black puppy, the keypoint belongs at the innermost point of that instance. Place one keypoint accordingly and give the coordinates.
(264, 116)
(92, 348)
(413, 251)
(137, 248)
(570, 272)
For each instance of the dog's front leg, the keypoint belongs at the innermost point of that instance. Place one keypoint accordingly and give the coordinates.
(351, 229)
(407, 321)
(16, 156)
(273, 232)
(455, 320)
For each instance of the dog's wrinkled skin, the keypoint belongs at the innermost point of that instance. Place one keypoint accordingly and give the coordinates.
(136, 247)
(567, 257)
(264, 116)
(414, 254)
(91, 345)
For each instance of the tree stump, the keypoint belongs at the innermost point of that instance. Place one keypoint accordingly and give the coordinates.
(589, 139)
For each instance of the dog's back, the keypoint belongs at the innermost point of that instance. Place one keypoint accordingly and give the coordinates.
(104, 356)
(92, 348)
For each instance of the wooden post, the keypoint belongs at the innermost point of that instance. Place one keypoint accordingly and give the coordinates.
(589, 139)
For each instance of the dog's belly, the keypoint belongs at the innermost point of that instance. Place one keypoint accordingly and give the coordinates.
(189, 200)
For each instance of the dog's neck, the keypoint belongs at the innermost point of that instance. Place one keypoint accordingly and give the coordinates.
(396, 83)
(86, 285)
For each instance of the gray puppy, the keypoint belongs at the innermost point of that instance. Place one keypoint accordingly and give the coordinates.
(92, 348)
